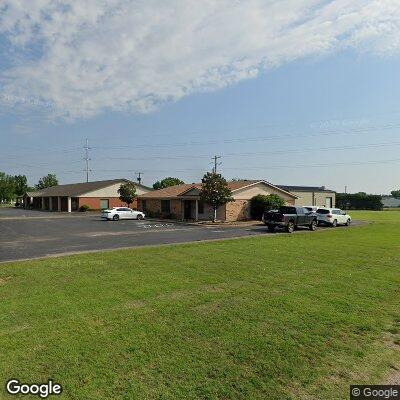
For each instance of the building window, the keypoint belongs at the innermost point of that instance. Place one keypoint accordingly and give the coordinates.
(104, 204)
(201, 207)
(165, 206)
(143, 205)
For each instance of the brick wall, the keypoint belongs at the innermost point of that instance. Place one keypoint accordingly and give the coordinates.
(176, 209)
(153, 207)
(94, 202)
(237, 210)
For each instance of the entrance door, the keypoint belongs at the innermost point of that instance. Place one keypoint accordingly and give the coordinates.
(188, 209)
(328, 202)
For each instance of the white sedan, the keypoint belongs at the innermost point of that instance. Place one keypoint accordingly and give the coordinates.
(118, 213)
(333, 217)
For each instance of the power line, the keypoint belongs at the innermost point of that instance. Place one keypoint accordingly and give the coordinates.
(204, 156)
(252, 139)
(374, 162)
(306, 150)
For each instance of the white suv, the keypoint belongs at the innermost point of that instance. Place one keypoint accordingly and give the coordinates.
(333, 217)
(118, 213)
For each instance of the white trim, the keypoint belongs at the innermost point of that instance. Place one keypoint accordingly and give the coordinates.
(267, 184)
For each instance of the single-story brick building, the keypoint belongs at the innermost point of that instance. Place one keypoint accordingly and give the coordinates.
(312, 195)
(97, 195)
(183, 201)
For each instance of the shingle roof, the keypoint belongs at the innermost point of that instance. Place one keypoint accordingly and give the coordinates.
(78, 189)
(304, 188)
(177, 190)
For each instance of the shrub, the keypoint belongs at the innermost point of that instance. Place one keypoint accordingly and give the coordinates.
(261, 203)
(359, 201)
(84, 207)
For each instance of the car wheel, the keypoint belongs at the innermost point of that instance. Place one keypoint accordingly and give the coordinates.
(271, 228)
(290, 227)
(313, 225)
(348, 222)
(334, 224)
(116, 217)
(139, 216)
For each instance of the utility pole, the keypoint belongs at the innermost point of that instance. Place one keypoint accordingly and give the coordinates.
(139, 178)
(87, 159)
(216, 163)
(345, 189)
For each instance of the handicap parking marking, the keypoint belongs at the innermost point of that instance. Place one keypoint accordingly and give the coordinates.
(160, 225)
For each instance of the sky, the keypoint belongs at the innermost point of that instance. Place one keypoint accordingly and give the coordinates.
(294, 92)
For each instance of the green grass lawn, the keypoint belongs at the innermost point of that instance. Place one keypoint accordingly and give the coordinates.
(285, 317)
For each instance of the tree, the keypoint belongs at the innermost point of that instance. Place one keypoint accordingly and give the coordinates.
(166, 182)
(261, 203)
(395, 193)
(7, 188)
(127, 193)
(47, 181)
(21, 185)
(215, 191)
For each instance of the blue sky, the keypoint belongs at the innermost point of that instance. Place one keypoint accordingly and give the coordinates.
(326, 117)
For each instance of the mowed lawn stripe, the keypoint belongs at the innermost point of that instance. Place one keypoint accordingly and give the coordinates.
(286, 317)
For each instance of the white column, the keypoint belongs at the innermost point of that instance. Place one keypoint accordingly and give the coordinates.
(58, 203)
(69, 204)
(197, 211)
(50, 203)
(42, 203)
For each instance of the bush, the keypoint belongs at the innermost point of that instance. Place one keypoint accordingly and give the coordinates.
(359, 201)
(261, 203)
(84, 207)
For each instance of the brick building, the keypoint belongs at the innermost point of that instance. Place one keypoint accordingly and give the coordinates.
(183, 201)
(97, 195)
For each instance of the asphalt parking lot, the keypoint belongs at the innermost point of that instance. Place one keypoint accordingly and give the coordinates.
(26, 234)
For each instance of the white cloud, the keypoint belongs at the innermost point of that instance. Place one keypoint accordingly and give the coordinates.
(84, 57)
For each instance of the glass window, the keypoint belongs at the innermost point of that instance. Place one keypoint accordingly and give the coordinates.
(103, 204)
(288, 210)
(121, 209)
(165, 206)
(322, 211)
(144, 205)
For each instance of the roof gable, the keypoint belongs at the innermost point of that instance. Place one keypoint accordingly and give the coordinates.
(193, 189)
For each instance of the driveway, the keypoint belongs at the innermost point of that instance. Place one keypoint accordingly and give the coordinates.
(30, 234)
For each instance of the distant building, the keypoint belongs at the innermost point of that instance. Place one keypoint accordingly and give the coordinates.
(312, 195)
(390, 202)
(97, 195)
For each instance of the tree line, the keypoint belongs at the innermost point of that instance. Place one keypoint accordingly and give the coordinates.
(359, 201)
(14, 186)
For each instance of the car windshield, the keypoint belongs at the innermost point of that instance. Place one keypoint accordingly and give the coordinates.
(322, 211)
(287, 210)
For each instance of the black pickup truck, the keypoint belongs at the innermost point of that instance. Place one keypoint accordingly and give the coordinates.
(289, 218)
